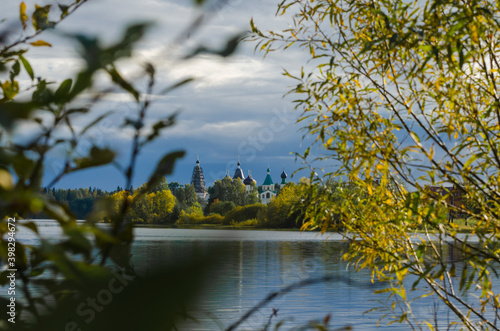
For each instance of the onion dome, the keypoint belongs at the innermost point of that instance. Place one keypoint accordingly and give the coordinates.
(239, 173)
(249, 180)
(268, 180)
(283, 177)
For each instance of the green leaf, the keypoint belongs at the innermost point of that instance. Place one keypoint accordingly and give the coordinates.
(63, 91)
(231, 45)
(94, 122)
(158, 126)
(420, 251)
(98, 156)
(42, 95)
(227, 50)
(37, 272)
(27, 67)
(77, 242)
(176, 85)
(164, 167)
(120, 253)
(16, 68)
(307, 151)
(30, 225)
(470, 160)
(117, 78)
(40, 17)
(11, 112)
(64, 10)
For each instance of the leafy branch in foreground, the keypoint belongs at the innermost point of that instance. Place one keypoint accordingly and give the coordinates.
(403, 100)
(56, 276)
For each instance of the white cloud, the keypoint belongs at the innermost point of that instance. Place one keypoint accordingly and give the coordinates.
(231, 101)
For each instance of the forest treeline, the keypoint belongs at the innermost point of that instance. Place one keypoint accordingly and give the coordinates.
(230, 203)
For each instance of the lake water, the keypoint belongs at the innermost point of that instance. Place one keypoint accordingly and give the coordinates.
(256, 263)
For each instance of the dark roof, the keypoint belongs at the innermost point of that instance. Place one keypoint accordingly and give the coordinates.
(239, 173)
(249, 180)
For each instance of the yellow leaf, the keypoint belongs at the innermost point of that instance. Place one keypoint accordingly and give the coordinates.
(40, 43)
(9, 89)
(22, 14)
(5, 180)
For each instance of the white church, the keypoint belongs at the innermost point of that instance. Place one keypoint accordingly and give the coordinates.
(266, 191)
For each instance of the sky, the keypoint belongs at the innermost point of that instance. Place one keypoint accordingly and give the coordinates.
(234, 108)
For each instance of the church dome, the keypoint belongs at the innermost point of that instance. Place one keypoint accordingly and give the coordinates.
(239, 173)
(249, 180)
(283, 175)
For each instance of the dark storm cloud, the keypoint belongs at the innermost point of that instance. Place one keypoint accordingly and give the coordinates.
(234, 107)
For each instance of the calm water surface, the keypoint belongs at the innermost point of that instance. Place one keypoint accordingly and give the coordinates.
(253, 264)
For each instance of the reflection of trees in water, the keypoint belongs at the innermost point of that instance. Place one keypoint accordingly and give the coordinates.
(245, 272)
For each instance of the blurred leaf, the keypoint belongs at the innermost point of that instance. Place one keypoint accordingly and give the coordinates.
(133, 34)
(35, 272)
(163, 295)
(158, 126)
(22, 14)
(58, 211)
(98, 156)
(6, 181)
(164, 167)
(3, 277)
(30, 225)
(64, 10)
(121, 253)
(78, 242)
(77, 111)
(227, 50)
(117, 78)
(39, 43)
(40, 17)
(16, 68)
(42, 95)
(94, 122)
(10, 89)
(27, 67)
(63, 91)
(83, 81)
(91, 53)
(176, 85)
(231, 45)
(23, 166)
(123, 48)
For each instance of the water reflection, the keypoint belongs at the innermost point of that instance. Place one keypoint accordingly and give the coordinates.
(246, 271)
(248, 265)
